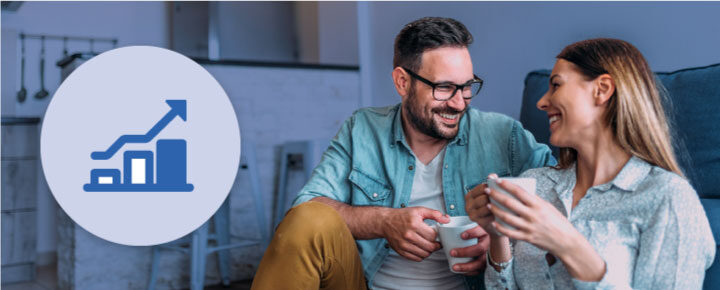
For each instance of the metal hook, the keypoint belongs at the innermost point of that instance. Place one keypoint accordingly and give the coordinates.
(22, 43)
(65, 51)
(42, 45)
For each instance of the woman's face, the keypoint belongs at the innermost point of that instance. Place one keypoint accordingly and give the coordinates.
(572, 111)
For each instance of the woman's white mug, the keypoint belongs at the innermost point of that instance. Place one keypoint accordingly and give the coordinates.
(527, 184)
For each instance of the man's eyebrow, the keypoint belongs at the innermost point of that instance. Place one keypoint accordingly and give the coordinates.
(452, 83)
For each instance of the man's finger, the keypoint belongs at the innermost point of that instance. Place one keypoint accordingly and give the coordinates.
(478, 202)
(470, 251)
(471, 267)
(427, 244)
(415, 250)
(475, 232)
(409, 256)
(432, 214)
(477, 190)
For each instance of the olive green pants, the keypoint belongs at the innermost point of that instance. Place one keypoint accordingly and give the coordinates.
(312, 249)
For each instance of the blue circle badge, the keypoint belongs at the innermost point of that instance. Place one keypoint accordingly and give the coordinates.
(140, 145)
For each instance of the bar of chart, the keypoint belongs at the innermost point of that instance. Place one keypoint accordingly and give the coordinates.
(165, 169)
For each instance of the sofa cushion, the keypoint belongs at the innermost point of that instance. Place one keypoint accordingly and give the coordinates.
(712, 209)
(694, 109)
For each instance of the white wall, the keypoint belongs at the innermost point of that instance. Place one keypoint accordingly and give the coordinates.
(338, 33)
(327, 32)
(132, 23)
(257, 31)
(513, 38)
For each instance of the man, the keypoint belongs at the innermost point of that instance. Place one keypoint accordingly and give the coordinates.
(361, 219)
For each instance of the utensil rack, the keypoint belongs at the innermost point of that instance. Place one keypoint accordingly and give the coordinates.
(91, 40)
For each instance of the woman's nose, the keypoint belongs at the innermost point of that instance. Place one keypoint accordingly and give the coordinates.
(542, 104)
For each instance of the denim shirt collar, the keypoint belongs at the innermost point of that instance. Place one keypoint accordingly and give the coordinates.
(628, 179)
(398, 134)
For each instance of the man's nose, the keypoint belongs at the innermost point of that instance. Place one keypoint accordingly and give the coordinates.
(457, 102)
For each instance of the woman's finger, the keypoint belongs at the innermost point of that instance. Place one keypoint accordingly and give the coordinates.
(517, 191)
(510, 203)
(513, 234)
(509, 218)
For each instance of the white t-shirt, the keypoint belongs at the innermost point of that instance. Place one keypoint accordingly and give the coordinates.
(398, 272)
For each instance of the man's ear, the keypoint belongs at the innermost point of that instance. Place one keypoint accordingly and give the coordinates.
(604, 90)
(401, 80)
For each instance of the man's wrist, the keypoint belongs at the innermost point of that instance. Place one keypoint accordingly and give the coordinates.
(383, 216)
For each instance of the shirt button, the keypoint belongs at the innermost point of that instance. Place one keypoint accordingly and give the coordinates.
(410, 167)
(402, 205)
(374, 194)
(547, 276)
(387, 246)
(452, 206)
(446, 166)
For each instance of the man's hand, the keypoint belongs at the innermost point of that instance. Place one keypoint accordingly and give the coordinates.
(476, 202)
(475, 251)
(408, 235)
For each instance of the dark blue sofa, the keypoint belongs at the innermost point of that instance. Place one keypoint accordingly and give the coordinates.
(695, 110)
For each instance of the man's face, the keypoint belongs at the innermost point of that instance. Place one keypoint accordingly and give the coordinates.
(439, 119)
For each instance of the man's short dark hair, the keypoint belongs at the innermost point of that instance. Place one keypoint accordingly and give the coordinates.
(425, 34)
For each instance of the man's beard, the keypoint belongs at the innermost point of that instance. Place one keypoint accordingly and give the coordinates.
(428, 125)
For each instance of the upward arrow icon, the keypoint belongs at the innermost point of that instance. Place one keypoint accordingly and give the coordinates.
(177, 108)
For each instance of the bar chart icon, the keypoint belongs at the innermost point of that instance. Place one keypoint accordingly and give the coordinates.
(144, 170)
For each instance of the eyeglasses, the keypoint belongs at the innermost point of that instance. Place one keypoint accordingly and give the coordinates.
(445, 91)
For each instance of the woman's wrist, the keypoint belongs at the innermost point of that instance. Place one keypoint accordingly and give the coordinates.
(499, 252)
(581, 260)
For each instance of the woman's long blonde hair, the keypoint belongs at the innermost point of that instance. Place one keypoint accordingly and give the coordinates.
(635, 111)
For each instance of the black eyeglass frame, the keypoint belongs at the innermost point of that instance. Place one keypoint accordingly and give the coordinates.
(476, 79)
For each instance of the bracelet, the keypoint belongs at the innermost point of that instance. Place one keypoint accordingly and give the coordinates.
(501, 265)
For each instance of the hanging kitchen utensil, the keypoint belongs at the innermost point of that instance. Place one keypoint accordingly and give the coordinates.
(22, 93)
(65, 51)
(43, 92)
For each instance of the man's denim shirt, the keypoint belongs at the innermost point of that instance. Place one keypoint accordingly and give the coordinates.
(369, 163)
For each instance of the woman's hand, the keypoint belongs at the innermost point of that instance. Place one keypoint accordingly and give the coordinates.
(537, 221)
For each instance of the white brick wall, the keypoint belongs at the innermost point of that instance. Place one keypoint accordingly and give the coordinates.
(273, 105)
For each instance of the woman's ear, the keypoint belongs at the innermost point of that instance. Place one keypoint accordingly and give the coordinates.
(401, 80)
(605, 89)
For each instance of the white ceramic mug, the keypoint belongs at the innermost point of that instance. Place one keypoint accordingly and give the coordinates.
(449, 237)
(527, 184)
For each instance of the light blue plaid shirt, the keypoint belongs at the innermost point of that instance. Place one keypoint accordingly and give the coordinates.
(647, 224)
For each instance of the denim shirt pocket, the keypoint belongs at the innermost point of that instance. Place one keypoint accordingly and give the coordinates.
(373, 191)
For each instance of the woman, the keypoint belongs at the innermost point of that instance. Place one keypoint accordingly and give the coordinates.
(616, 212)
